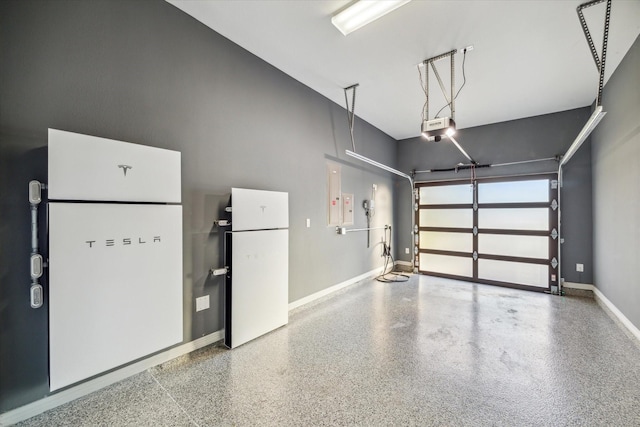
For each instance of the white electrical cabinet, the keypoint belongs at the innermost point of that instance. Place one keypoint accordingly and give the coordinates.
(115, 286)
(83, 167)
(115, 269)
(257, 294)
(259, 210)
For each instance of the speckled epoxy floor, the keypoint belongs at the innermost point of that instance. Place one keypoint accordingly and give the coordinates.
(426, 352)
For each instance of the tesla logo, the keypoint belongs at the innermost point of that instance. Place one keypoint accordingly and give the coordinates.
(123, 242)
(125, 168)
(263, 208)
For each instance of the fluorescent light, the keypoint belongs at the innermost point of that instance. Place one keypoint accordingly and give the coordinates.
(364, 12)
(593, 121)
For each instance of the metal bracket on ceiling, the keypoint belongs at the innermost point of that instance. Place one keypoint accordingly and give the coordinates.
(600, 62)
(451, 99)
(351, 111)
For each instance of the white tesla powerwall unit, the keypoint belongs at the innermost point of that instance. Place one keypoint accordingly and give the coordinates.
(115, 269)
(257, 295)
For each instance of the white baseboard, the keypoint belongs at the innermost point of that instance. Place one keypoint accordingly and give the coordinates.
(83, 389)
(310, 298)
(581, 286)
(604, 301)
(405, 263)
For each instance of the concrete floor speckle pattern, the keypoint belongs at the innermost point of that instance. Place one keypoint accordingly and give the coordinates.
(426, 352)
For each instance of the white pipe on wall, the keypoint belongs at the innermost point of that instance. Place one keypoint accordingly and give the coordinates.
(397, 172)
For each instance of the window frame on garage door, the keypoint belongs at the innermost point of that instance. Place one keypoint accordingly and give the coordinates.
(459, 247)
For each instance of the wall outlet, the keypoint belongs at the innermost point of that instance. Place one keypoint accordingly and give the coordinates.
(406, 250)
(580, 267)
(202, 303)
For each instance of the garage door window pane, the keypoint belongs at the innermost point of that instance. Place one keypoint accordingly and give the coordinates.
(514, 219)
(457, 218)
(514, 191)
(514, 272)
(458, 242)
(515, 246)
(444, 264)
(446, 194)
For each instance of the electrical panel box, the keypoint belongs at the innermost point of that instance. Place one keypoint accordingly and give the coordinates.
(334, 202)
(347, 209)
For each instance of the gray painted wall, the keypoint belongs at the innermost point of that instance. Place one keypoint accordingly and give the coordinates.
(145, 72)
(616, 189)
(532, 138)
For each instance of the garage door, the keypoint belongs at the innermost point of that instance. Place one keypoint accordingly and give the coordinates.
(500, 231)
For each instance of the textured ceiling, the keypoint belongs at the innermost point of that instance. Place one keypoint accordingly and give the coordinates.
(529, 57)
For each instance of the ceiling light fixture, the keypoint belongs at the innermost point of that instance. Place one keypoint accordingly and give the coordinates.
(363, 12)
